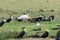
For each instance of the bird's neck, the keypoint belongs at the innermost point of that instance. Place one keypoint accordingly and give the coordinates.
(4, 20)
(24, 30)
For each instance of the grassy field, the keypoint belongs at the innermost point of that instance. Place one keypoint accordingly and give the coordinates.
(18, 7)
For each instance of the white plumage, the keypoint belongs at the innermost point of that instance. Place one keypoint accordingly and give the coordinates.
(4, 20)
(38, 24)
(23, 17)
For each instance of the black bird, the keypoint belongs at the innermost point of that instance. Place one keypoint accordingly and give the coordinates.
(2, 23)
(52, 17)
(9, 19)
(58, 35)
(21, 34)
(45, 34)
(49, 18)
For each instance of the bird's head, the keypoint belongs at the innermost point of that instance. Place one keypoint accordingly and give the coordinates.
(46, 31)
(23, 28)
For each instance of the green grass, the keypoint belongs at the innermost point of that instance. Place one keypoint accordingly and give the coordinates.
(19, 7)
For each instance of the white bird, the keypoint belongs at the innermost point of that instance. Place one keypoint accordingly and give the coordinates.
(24, 17)
(38, 24)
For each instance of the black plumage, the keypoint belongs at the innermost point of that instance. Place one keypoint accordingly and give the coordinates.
(36, 19)
(2, 23)
(52, 17)
(58, 35)
(43, 18)
(9, 19)
(45, 34)
(21, 34)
